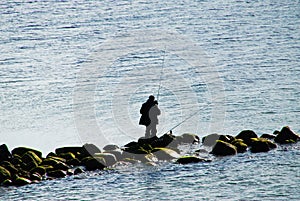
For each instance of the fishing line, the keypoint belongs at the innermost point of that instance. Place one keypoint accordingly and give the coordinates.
(161, 74)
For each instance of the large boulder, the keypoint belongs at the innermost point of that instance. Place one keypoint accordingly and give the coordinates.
(23, 150)
(31, 156)
(190, 159)
(246, 136)
(241, 147)
(5, 155)
(261, 145)
(286, 135)
(90, 150)
(222, 148)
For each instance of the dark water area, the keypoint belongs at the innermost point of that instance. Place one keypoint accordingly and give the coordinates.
(73, 72)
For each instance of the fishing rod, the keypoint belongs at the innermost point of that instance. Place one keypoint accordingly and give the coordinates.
(161, 74)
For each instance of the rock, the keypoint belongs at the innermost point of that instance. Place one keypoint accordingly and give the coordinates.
(67, 156)
(261, 145)
(73, 162)
(117, 153)
(131, 144)
(16, 160)
(286, 135)
(40, 170)
(90, 149)
(51, 154)
(35, 177)
(23, 150)
(73, 150)
(5, 155)
(91, 163)
(31, 156)
(57, 174)
(4, 174)
(190, 159)
(164, 141)
(21, 181)
(10, 167)
(223, 149)
(78, 171)
(109, 159)
(246, 136)
(111, 147)
(241, 147)
(7, 182)
(211, 139)
(268, 136)
(29, 166)
(61, 166)
(165, 154)
(190, 138)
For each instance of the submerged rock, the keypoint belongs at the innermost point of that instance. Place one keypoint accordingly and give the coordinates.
(92, 163)
(246, 136)
(223, 149)
(190, 159)
(286, 135)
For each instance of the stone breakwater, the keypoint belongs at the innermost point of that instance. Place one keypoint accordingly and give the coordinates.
(22, 165)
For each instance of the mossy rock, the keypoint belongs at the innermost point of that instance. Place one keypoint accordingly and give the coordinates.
(29, 166)
(40, 170)
(21, 181)
(67, 156)
(5, 155)
(223, 149)
(9, 166)
(35, 177)
(241, 147)
(246, 136)
(30, 156)
(78, 171)
(7, 182)
(91, 163)
(268, 136)
(4, 174)
(165, 153)
(61, 166)
(16, 160)
(286, 136)
(73, 162)
(109, 158)
(73, 150)
(50, 161)
(57, 174)
(23, 150)
(261, 145)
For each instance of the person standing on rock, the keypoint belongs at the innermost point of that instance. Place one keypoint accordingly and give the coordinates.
(154, 112)
(144, 111)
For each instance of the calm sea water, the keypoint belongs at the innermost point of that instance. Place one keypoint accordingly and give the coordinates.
(76, 72)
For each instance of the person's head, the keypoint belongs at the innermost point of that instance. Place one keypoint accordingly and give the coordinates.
(151, 98)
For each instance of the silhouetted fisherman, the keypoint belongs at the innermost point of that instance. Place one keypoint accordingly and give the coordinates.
(145, 118)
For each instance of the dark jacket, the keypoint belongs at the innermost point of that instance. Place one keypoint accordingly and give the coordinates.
(145, 119)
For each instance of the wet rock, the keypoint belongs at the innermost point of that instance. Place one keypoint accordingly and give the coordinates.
(111, 147)
(90, 150)
(241, 147)
(41, 170)
(35, 177)
(7, 182)
(10, 167)
(164, 141)
(91, 163)
(4, 174)
(190, 159)
(23, 150)
(117, 153)
(223, 149)
(246, 136)
(211, 139)
(73, 150)
(5, 155)
(57, 174)
(286, 135)
(73, 162)
(261, 145)
(21, 181)
(268, 136)
(109, 159)
(31, 156)
(61, 166)
(78, 171)
(165, 154)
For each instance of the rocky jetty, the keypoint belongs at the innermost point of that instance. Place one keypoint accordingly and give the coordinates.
(23, 165)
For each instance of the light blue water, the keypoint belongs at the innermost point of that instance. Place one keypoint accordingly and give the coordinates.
(55, 90)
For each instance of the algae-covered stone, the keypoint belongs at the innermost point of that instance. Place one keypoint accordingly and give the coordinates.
(5, 155)
(261, 145)
(241, 147)
(286, 135)
(73, 150)
(67, 156)
(21, 181)
(246, 136)
(30, 156)
(23, 150)
(223, 149)
(9, 166)
(268, 136)
(190, 159)
(165, 153)
(41, 170)
(7, 182)
(4, 174)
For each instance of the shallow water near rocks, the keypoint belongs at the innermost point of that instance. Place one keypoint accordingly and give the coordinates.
(48, 47)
